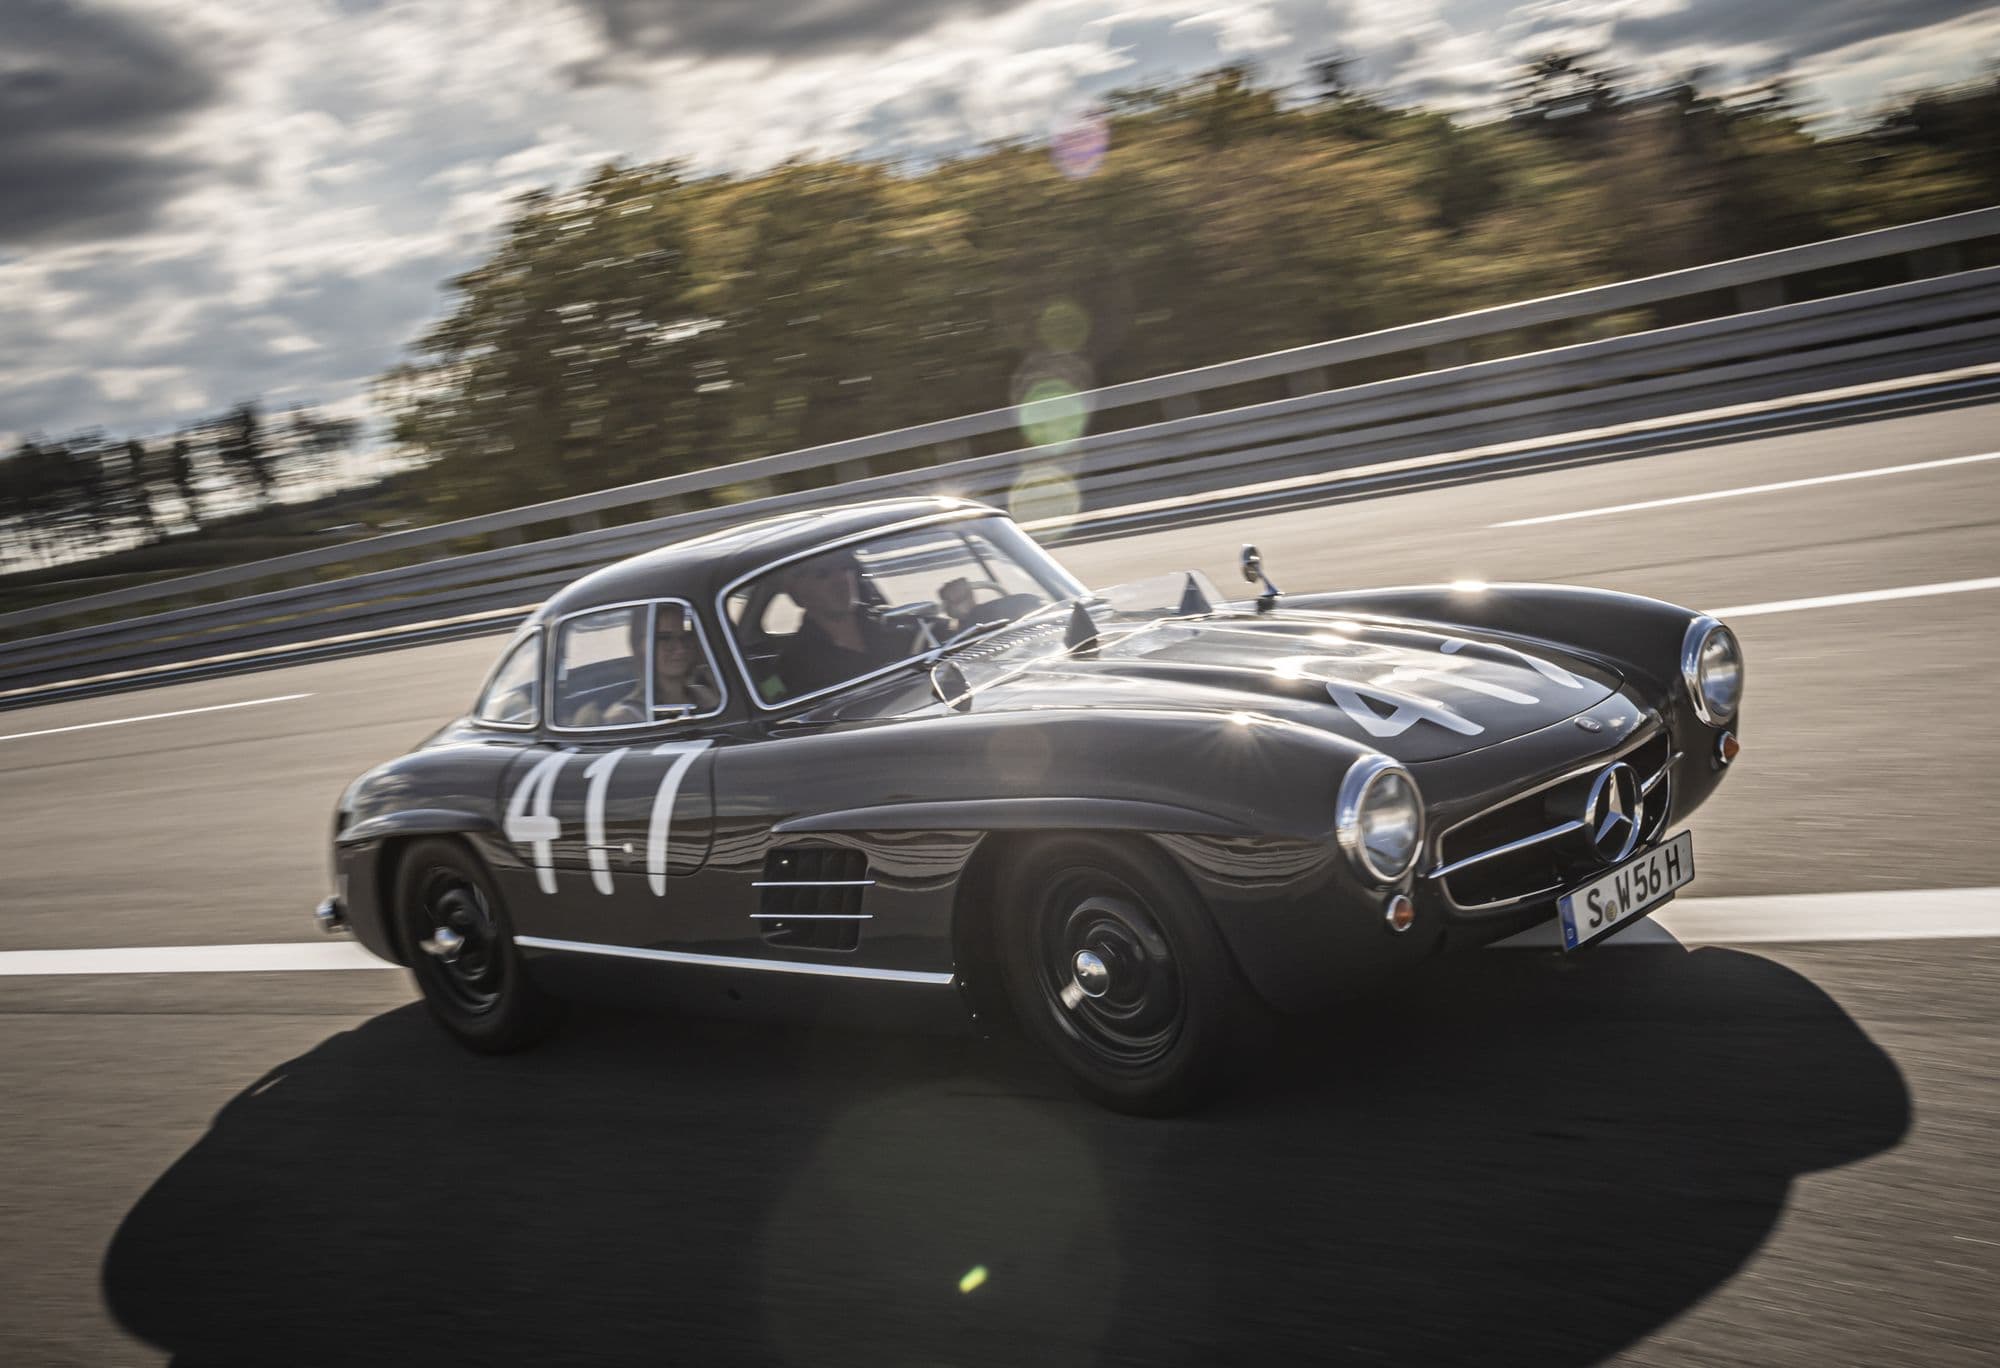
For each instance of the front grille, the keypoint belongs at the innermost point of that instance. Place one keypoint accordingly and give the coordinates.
(1532, 846)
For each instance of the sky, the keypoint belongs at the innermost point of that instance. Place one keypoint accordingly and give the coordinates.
(205, 201)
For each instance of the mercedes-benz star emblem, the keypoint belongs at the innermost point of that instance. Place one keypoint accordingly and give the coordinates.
(1611, 813)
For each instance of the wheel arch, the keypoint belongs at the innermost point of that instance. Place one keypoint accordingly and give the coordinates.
(977, 906)
(389, 852)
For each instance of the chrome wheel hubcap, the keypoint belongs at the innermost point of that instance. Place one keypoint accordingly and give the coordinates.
(1093, 976)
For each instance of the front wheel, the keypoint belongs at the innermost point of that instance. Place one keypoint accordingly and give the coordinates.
(458, 942)
(1115, 966)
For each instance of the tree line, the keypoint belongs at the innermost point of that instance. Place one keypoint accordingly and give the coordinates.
(652, 320)
(89, 490)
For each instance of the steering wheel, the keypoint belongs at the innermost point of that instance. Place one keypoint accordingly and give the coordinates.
(923, 614)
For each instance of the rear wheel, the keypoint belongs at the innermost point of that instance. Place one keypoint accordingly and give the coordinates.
(1115, 966)
(458, 942)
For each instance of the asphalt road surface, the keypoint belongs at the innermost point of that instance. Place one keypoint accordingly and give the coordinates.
(1779, 1153)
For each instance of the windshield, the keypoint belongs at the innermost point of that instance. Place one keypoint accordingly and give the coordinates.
(816, 622)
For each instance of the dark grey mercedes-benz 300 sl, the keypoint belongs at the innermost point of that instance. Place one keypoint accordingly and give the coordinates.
(895, 749)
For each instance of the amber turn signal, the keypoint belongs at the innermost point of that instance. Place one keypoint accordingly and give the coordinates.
(1399, 912)
(1727, 747)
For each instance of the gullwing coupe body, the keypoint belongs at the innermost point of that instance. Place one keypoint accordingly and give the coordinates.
(896, 752)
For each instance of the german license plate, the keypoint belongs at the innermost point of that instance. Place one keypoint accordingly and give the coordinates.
(1628, 892)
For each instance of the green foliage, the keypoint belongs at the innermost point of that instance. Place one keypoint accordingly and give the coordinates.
(648, 323)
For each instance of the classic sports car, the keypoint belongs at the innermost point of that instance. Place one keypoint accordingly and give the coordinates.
(895, 749)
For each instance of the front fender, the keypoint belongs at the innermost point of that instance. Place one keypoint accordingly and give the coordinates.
(417, 822)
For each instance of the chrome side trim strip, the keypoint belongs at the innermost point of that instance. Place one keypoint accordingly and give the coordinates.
(1561, 829)
(846, 971)
(812, 883)
(812, 916)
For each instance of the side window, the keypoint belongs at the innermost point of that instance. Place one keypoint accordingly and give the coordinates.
(685, 682)
(512, 695)
(633, 664)
(600, 679)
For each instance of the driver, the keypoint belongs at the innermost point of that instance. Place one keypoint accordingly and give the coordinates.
(838, 640)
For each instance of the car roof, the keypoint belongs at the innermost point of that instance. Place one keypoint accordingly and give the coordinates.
(697, 568)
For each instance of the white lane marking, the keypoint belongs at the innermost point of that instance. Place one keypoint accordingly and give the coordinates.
(1743, 610)
(155, 717)
(1803, 918)
(1750, 489)
(1927, 914)
(193, 959)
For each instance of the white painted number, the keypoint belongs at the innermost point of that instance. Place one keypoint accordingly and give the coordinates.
(538, 828)
(599, 775)
(684, 753)
(531, 819)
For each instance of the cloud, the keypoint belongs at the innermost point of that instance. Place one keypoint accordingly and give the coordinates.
(787, 29)
(206, 200)
(1794, 30)
(90, 100)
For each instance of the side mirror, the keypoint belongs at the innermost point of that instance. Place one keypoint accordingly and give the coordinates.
(1253, 571)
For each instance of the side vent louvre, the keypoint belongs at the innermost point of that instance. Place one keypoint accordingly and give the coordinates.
(812, 897)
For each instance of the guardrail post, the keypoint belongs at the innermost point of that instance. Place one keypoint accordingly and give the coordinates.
(1180, 406)
(1446, 355)
(1760, 294)
(856, 469)
(1306, 381)
(1948, 259)
(585, 522)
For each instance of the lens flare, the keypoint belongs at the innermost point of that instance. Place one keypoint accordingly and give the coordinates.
(1064, 326)
(1078, 149)
(974, 1279)
(1053, 413)
(1045, 497)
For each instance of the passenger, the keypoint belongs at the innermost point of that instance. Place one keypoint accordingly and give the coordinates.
(837, 641)
(680, 677)
(680, 680)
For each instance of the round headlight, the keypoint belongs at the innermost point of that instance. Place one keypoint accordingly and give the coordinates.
(1712, 665)
(1381, 818)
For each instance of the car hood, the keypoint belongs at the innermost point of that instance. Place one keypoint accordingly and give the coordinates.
(1417, 691)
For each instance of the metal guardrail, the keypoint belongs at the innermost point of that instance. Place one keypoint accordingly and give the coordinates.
(1947, 317)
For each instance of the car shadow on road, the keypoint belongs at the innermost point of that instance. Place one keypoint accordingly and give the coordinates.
(1520, 1160)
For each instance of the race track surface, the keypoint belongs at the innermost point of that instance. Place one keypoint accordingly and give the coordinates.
(1771, 1153)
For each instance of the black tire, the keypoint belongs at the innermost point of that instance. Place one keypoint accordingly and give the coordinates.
(481, 995)
(1163, 1030)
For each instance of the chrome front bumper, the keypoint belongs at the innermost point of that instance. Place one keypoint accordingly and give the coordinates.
(331, 916)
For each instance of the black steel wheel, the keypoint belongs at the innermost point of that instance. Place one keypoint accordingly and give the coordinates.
(459, 944)
(1112, 963)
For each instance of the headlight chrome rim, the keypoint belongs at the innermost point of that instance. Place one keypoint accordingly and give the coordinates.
(1361, 781)
(1693, 644)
